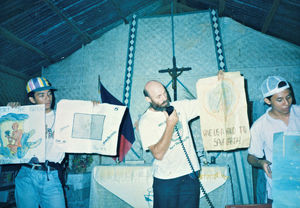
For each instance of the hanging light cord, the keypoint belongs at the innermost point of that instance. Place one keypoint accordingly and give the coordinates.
(172, 18)
(185, 152)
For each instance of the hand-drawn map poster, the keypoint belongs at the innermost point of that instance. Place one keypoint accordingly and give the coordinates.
(84, 127)
(22, 134)
(223, 112)
(286, 170)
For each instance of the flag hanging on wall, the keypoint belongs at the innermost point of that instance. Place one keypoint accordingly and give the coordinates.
(126, 138)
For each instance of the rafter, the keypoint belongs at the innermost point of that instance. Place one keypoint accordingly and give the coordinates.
(13, 72)
(116, 5)
(178, 8)
(13, 38)
(183, 8)
(209, 2)
(85, 37)
(270, 16)
(221, 7)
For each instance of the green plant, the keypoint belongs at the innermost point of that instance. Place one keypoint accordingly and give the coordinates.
(80, 163)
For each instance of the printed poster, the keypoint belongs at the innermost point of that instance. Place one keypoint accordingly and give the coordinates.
(22, 134)
(223, 112)
(84, 127)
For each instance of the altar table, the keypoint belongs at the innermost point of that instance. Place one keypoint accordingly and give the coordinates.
(131, 185)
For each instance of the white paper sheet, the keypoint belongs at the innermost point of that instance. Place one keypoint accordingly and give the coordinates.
(84, 127)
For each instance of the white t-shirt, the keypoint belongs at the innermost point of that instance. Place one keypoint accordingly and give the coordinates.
(52, 153)
(152, 126)
(262, 132)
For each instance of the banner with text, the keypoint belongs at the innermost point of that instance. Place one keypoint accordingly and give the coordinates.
(223, 112)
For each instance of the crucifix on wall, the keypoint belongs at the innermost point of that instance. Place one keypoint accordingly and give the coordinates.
(175, 71)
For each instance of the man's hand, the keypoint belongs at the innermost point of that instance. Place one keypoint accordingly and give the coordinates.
(265, 164)
(95, 103)
(159, 149)
(172, 119)
(14, 104)
(220, 75)
(260, 163)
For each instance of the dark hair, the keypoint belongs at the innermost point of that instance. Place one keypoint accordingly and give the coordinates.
(269, 97)
(31, 94)
(146, 94)
(282, 84)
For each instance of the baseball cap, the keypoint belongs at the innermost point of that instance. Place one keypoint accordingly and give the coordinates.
(270, 86)
(38, 84)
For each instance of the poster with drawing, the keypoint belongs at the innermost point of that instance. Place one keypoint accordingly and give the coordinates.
(84, 127)
(223, 112)
(22, 134)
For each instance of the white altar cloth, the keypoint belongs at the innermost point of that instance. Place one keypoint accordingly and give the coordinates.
(133, 184)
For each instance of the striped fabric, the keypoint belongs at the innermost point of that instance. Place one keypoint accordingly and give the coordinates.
(38, 84)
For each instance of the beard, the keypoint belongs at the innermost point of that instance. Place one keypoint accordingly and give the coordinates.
(160, 107)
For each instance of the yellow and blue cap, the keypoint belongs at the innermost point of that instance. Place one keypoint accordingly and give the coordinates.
(38, 84)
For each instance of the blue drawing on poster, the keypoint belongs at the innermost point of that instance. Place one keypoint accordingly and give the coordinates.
(13, 140)
(286, 170)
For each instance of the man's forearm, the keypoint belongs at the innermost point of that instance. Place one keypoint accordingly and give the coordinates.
(254, 161)
(161, 147)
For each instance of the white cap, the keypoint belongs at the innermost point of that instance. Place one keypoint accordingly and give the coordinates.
(270, 86)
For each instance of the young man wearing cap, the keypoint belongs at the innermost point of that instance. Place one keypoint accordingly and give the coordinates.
(39, 184)
(281, 116)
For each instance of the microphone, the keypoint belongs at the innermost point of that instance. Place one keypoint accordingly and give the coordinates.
(169, 109)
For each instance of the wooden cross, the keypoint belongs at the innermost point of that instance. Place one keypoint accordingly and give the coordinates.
(174, 73)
